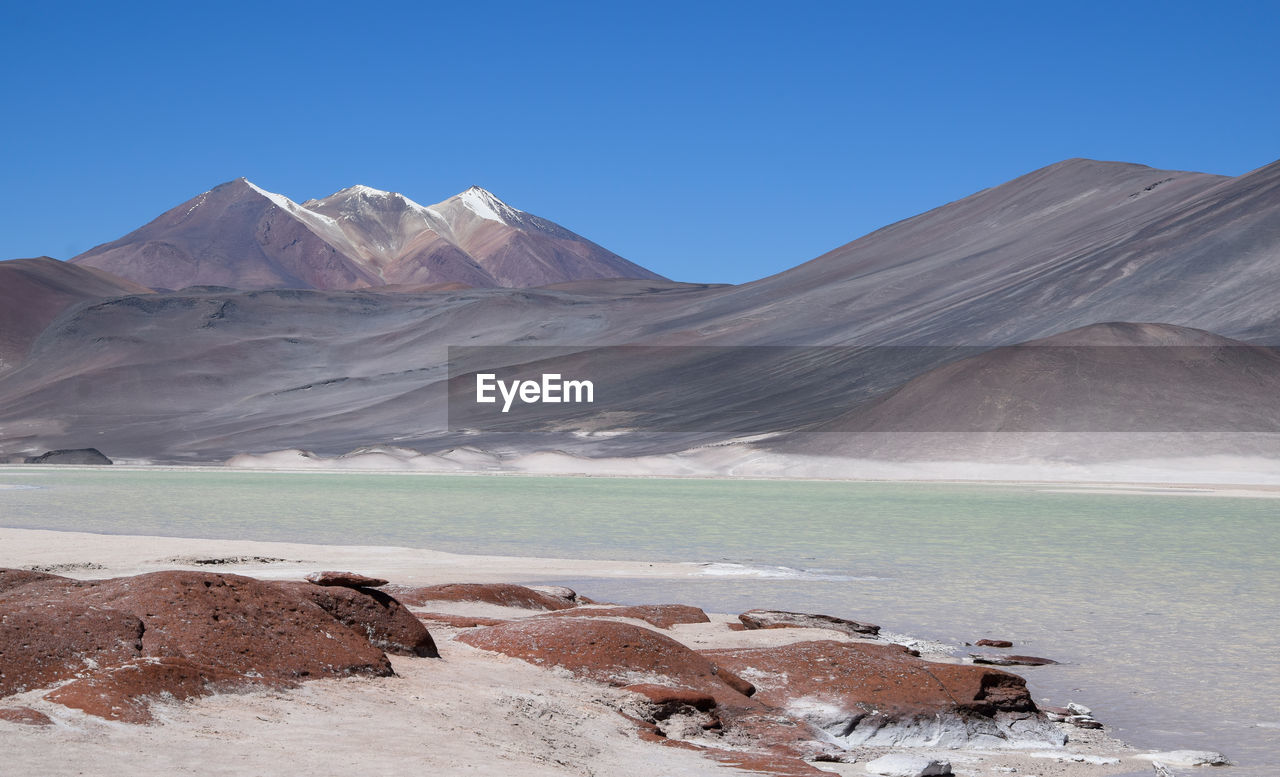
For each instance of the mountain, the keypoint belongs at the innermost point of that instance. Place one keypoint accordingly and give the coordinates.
(1112, 388)
(34, 291)
(1076, 243)
(204, 373)
(241, 236)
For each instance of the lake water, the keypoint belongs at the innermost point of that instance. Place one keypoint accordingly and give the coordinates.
(1165, 609)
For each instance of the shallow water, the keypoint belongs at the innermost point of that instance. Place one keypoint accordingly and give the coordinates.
(1166, 609)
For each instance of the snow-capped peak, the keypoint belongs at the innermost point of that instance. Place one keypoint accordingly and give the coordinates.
(366, 191)
(482, 203)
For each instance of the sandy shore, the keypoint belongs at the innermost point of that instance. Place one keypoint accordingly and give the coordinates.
(471, 712)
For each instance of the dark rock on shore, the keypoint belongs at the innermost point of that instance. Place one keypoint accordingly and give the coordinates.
(346, 579)
(781, 619)
(76, 456)
(503, 594)
(979, 658)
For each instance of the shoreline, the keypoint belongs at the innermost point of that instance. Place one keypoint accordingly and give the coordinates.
(1166, 487)
(545, 712)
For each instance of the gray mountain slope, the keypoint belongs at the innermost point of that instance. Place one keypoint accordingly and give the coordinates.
(33, 292)
(202, 375)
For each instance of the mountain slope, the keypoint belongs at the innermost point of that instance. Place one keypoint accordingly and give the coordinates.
(1102, 391)
(244, 237)
(1076, 243)
(33, 292)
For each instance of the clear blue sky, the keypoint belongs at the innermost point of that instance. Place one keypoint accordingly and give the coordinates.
(708, 141)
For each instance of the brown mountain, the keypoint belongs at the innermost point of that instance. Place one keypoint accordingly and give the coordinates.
(244, 237)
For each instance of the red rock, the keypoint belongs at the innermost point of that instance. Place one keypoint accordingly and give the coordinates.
(236, 623)
(124, 692)
(663, 616)
(504, 594)
(736, 627)
(606, 651)
(459, 621)
(995, 643)
(41, 644)
(25, 715)
(386, 623)
(345, 579)
(12, 578)
(876, 686)
(781, 619)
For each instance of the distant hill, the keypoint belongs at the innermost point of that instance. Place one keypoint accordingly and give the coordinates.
(241, 236)
(34, 291)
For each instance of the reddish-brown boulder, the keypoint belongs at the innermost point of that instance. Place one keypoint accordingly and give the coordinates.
(995, 643)
(25, 715)
(41, 644)
(345, 579)
(861, 693)
(607, 651)
(504, 594)
(237, 623)
(781, 619)
(663, 616)
(124, 692)
(386, 623)
(12, 578)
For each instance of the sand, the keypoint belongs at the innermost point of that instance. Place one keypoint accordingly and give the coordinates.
(471, 712)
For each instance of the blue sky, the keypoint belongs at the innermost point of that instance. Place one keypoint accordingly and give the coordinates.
(708, 141)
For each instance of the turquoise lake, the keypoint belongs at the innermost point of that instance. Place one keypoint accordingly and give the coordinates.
(1165, 609)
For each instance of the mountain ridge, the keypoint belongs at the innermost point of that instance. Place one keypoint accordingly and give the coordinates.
(242, 236)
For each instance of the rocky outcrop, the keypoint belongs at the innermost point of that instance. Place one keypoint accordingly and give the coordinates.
(43, 644)
(995, 643)
(781, 619)
(663, 616)
(869, 694)
(123, 642)
(385, 622)
(610, 652)
(345, 579)
(76, 456)
(502, 594)
(12, 578)
(125, 692)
